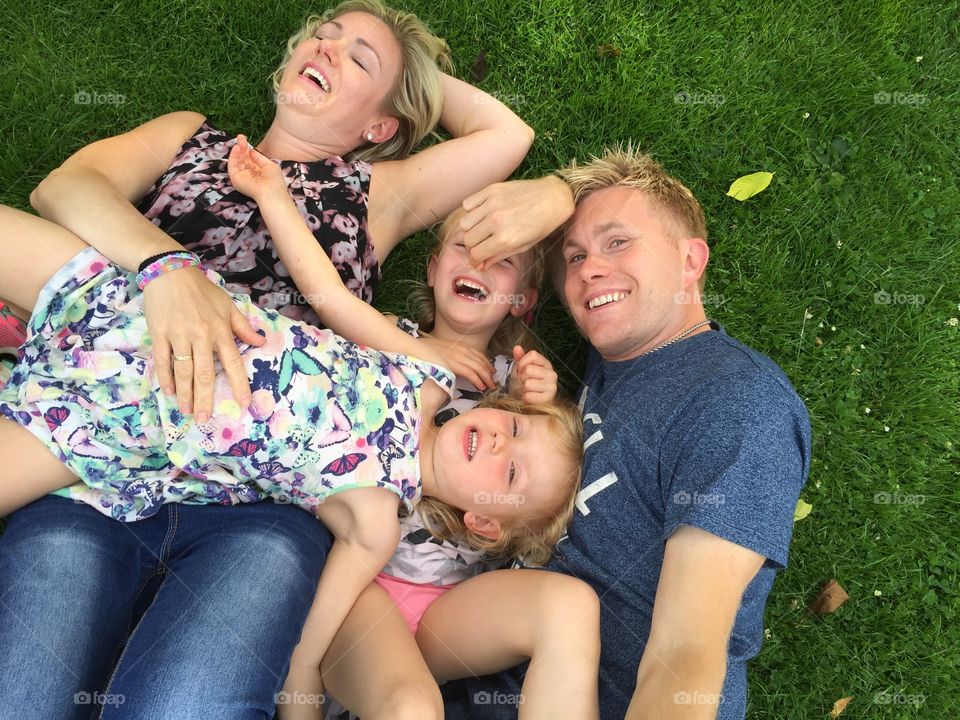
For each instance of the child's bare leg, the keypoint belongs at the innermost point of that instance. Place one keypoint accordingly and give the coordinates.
(29, 469)
(374, 666)
(33, 250)
(499, 619)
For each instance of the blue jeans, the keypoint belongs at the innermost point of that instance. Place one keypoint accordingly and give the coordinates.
(192, 613)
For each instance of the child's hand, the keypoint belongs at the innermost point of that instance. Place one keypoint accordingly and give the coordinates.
(252, 173)
(465, 362)
(533, 376)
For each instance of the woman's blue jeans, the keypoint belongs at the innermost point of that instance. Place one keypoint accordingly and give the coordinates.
(192, 613)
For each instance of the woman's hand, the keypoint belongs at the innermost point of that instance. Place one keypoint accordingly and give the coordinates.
(533, 377)
(253, 173)
(463, 361)
(188, 315)
(507, 218)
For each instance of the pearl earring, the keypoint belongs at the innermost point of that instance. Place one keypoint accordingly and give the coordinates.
(370, 137)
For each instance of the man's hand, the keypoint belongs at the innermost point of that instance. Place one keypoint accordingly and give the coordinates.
(510, 217)
(533, 377)
(684, 664)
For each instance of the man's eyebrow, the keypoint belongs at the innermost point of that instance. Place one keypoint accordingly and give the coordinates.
(600, 229)
(609, 225)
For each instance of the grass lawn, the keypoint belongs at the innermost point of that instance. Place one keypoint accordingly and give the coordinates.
(846, 270)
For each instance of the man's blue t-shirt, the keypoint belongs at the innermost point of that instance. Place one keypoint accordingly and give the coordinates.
(705, 432)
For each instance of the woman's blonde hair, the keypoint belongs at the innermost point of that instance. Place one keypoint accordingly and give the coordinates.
(513, 330)
(533, 536)
(416, 99)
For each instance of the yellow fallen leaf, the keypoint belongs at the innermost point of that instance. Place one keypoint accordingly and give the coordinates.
(749, 185)
(840, 705)
(801, 510)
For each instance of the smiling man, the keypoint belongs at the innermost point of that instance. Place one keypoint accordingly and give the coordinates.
(696, 450)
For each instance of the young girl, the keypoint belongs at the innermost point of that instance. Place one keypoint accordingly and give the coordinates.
(481, 310)
(332, 416)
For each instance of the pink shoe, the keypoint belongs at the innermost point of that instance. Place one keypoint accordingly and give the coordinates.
(13, 331)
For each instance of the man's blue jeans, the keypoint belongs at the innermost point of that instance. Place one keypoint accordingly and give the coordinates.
(190, 614)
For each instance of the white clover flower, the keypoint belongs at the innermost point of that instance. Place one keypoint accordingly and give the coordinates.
(877, 593)
(867, 410)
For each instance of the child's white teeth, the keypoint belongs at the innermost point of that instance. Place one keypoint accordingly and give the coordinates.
(462, 283)
(473, 443)
(313, 73)
(606, 299)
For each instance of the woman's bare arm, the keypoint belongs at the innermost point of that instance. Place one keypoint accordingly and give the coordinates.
(92, 195)
(489, 142)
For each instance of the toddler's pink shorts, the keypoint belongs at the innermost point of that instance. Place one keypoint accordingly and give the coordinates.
(411, 599)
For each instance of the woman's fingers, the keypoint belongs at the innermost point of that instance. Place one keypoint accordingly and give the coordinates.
(204, 374)
(235, 370)
(162, 363)
(182, 359)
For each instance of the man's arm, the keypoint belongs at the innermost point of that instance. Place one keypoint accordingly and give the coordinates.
(684, 663)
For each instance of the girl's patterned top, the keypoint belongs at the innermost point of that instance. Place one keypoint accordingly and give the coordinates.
(194, 202)
(327, 415)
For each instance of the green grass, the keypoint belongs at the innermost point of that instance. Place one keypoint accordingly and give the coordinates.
(864, 200)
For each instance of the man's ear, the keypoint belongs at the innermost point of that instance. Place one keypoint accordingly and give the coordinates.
(382, 130)
(487, 527)
(695, 262)
(431, 270)
(527, 299)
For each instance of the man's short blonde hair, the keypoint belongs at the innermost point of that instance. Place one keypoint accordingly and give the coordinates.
(625, 167)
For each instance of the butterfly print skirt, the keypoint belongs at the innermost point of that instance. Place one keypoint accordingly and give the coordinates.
(326, 415)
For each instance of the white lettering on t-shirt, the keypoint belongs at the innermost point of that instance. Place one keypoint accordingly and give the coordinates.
(592, 489)
(598, 435)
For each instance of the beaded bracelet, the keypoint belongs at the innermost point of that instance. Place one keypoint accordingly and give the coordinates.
(166, 262)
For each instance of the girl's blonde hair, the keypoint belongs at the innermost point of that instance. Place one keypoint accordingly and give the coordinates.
(530, 538)
(513, 330)
(416, 99)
